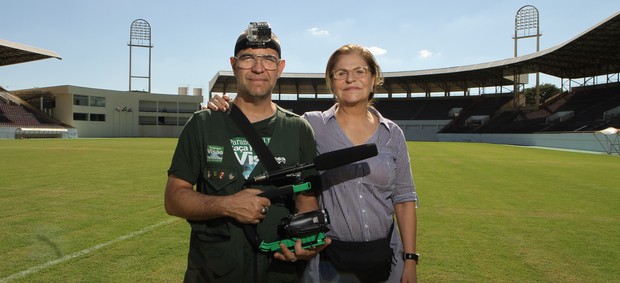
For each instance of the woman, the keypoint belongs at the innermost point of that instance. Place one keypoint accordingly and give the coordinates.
(362, 198)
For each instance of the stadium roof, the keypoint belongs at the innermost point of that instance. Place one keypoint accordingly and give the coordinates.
(15, 53)
(592, 53)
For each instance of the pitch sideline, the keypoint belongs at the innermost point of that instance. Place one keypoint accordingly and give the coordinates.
(85, 251)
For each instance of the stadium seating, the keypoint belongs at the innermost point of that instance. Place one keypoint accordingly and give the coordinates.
(28, 122)
(581, 110)
(588, 106)
(493, 113)
(17, 115)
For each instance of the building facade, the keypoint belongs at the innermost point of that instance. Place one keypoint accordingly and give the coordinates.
(98, 113)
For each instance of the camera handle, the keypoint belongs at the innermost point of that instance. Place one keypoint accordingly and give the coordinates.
(313, 238)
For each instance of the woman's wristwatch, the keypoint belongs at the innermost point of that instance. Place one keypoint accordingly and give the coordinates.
(415, 257)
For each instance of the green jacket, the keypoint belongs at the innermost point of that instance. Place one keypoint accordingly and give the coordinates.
(219, 250)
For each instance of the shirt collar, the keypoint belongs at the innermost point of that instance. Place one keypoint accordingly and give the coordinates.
(331, 114)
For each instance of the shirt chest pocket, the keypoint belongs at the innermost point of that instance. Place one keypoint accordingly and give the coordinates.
(218, 179)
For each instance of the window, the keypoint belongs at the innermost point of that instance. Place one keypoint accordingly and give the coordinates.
(80, 100)
(97, 101)
(80, 116)
(148, 120)
(97, 117)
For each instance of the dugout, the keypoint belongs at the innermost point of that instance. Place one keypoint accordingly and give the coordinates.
(31, 133)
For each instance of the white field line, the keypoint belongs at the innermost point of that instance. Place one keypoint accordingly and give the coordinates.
(51, 263)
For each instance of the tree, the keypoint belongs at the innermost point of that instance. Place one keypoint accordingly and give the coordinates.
(546, 90)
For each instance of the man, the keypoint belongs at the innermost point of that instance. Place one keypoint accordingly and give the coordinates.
(213, 154)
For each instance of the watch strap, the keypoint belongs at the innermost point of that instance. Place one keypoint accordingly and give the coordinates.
(414, 256)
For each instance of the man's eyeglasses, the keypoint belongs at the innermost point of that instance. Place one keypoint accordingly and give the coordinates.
(248, 61)
(342, 74)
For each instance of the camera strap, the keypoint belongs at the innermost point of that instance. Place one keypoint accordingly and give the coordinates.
(260, 148)
(264, 155)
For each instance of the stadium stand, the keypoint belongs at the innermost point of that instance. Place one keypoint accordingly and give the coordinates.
(302, 106)
(478, 113)
(19, 119)
(588, 107)
(17, 115)
(585, 109)
(436, 108)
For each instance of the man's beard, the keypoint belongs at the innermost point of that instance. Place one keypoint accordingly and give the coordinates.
(258, 95)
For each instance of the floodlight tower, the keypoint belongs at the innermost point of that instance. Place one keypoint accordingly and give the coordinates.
(140, 37)
(526, 26)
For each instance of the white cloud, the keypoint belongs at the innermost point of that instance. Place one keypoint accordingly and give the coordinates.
(377, 51)
(318, 32)
(424, 53)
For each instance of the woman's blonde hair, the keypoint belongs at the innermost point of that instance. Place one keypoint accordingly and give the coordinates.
(346, 49)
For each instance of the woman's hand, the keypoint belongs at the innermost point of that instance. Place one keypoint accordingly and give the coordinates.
(300, 253)
(218, 103)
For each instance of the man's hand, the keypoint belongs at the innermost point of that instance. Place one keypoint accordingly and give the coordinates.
(246, 206)
(218, 103)
(300, 253)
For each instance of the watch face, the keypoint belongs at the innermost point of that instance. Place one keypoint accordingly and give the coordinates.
(412, 256)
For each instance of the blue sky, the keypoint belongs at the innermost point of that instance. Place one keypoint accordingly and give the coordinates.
(194, 39)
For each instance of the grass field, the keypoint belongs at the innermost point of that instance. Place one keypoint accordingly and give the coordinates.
(91, 210)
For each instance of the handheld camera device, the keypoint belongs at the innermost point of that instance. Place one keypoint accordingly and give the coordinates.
(309, 227)
(259, 33)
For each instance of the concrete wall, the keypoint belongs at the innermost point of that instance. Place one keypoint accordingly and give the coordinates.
(586, 141)
(421, 130)
(7, 132)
